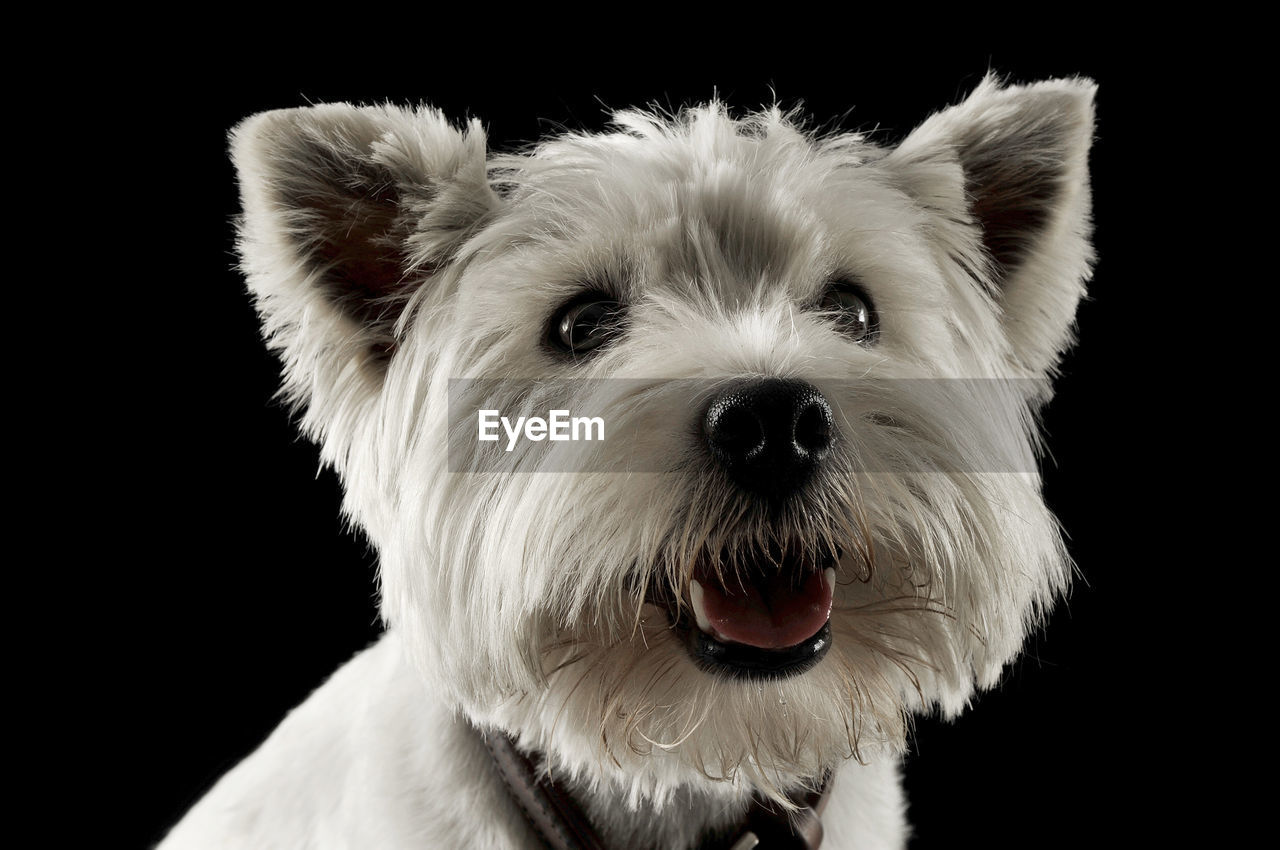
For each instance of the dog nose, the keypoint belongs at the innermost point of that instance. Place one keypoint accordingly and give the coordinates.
(769, 434)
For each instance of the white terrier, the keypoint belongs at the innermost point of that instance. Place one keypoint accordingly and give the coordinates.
(697, 456)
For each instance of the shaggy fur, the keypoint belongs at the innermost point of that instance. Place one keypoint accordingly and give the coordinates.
(388, 255)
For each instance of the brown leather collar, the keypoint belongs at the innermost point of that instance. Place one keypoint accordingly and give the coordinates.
(561, 825)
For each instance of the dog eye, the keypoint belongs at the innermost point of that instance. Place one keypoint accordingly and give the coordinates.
(583, 326)
(852, 311)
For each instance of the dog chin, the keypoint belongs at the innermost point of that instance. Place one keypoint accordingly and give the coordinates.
(678, 703)
(647, 717)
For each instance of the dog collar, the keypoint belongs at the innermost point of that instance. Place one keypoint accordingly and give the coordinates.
(561, 824)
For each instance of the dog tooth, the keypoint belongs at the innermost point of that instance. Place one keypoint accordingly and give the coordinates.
(699, 613)
(829, 575)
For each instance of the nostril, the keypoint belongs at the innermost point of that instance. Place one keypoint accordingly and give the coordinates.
(735, 430)
(813, 427)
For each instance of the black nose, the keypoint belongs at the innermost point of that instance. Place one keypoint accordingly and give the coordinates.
(769, 434)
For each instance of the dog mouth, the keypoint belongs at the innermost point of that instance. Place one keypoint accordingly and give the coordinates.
(762, 614)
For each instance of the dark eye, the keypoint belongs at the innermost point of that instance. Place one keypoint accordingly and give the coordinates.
(584, 325)
(852, 311)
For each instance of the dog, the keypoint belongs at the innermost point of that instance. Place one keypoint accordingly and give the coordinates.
(802, 506)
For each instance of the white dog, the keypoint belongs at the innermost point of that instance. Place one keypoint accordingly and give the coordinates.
(802, 506)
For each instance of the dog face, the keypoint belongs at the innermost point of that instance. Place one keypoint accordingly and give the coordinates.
(818, 364)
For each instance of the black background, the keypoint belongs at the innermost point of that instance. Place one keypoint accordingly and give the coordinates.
(247, 592)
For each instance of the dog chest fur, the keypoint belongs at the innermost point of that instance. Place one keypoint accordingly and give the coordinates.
(371, 760)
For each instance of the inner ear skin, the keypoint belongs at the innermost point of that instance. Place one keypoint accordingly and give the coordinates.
(357, 238)
(1015, 183)
(363, 260)
(1013, 210)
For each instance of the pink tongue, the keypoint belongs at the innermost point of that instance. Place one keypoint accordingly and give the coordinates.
(774, 615)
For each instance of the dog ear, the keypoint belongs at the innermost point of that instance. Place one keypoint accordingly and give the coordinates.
(1023, 180)
(347, 211)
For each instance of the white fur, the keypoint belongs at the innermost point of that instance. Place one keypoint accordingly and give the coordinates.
(511, 599)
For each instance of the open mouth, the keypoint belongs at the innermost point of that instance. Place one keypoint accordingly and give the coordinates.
(764, 615)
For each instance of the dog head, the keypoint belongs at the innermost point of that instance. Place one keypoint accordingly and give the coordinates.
(818, 363)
